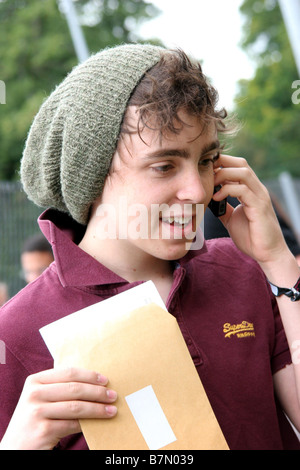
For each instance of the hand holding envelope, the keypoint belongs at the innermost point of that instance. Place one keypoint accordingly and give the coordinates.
(137, 344)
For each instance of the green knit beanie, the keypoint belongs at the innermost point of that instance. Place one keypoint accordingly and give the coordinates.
(74, 135)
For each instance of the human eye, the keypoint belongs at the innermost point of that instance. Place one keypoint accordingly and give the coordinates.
(163, 169)
(209, 160)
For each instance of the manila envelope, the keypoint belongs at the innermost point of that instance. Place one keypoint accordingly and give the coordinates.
(161, 401)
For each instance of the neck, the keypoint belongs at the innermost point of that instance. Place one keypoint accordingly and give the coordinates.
(129, 262)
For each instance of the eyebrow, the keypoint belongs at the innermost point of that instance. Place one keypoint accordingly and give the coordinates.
(212, 146)
(182, 153)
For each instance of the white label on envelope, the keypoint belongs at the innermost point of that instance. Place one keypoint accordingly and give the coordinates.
(150, 418)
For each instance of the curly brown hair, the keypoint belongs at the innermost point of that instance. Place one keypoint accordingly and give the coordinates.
(175, 84)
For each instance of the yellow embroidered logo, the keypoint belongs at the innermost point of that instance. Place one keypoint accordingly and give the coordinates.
(241, 330)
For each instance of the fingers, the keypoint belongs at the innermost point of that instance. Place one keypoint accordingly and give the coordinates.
(52, 403)
(78, 409)
(238, 180)
(247, 196)
(76, 391)
(70, 394)
(234, 169)
(70, 374)
(229, 160)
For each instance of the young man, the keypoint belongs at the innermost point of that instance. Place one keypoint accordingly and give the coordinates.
(138, 124)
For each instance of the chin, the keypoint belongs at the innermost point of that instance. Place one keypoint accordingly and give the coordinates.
(172, 253)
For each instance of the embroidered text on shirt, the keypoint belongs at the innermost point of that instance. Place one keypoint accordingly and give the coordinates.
(241, 330)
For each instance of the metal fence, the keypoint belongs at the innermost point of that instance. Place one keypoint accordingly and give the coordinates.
(18, 220)
(287, 191)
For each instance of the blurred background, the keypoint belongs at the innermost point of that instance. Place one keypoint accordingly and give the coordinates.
(248, 48)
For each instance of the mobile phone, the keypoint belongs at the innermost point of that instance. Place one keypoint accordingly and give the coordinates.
(218, 208)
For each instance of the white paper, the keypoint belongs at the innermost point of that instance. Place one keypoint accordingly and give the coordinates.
(108, 310)
(150, 418)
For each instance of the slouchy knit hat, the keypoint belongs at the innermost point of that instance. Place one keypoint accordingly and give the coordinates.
(75, 133)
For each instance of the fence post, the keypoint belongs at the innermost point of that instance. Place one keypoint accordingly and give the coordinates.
(291, 200)
(2, 353)
(78, 38)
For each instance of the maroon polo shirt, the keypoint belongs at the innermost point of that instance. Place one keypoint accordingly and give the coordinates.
(222, 304)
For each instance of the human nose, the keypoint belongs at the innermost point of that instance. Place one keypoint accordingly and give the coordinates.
(191, 188)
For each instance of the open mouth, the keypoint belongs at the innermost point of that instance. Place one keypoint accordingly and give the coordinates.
(178, 221)
(178, 227)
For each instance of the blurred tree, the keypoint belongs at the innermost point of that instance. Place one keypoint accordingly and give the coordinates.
(270, 137)
(36, 53)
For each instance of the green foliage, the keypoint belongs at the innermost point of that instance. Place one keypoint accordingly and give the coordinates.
(270, 137)
(36, 53)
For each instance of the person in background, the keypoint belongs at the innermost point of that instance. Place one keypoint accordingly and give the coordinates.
(36, 256)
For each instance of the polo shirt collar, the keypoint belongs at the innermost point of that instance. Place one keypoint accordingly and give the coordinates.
(74, 266)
